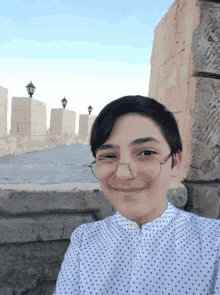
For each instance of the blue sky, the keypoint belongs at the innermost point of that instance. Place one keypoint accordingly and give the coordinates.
(91, 52)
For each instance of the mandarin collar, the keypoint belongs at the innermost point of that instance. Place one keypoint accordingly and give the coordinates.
(156, 224)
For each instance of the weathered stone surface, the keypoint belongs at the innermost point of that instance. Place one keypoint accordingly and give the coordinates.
(206, 38)
(173, 34)
(6, 291)
(28, 202)
(172, 82)
(203, 199)
(164, 38)
(41, 228)
(205, 140)
(44, 216)
(31, 267)
(177, 195)
(44, 288)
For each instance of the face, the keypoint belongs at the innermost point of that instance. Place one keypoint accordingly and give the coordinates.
(146, 200)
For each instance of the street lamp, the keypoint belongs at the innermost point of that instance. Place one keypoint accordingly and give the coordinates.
(90, 109)
(64, 102)
(30, 89)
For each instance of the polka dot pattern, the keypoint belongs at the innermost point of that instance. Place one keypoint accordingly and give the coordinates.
(176, 253)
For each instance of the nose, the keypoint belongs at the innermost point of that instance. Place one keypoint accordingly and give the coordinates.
(123, 172)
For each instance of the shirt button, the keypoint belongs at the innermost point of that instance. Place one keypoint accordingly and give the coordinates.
(133, 226)
(138, 266)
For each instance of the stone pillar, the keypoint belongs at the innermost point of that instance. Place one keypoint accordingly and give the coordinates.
(3, 111)
(28, 124)
(185, 67)
(28, 117)
(83, 125)
(62, 122)
(91, 121)
(69, 122)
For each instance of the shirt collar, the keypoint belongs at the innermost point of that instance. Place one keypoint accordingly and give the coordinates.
(155, 225)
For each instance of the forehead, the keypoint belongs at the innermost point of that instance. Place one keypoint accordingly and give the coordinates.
(134, 130)
(131, 126)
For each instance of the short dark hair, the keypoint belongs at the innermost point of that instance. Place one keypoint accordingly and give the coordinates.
(104, 123)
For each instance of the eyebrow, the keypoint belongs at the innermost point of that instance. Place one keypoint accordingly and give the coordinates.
(135, 142)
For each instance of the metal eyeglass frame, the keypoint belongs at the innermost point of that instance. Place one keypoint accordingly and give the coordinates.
(161, 163)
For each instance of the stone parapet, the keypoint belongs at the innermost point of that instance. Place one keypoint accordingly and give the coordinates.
(35, 229)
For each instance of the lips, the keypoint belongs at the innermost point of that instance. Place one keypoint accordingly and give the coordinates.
(129, 190)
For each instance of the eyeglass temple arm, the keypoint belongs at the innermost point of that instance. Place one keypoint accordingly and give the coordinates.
(166, 159)
(89, 164)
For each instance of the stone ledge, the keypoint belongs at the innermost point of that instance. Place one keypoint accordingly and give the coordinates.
(47, 228)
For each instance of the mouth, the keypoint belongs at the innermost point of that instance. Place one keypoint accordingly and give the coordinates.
(129, 190)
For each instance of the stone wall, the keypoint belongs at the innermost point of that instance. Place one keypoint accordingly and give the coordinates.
(36, 226)
(17, 145)
(35, 230)
(185, 67)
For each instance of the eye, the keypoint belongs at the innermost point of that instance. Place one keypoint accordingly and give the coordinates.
(148, 151)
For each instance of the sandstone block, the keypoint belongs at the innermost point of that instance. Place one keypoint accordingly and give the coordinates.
(206, 39)
(164, 38)
(205, 144)
(203, 199)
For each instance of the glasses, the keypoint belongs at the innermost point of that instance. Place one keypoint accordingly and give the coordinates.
(144, 168)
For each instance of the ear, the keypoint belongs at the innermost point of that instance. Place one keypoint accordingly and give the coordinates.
(177, 162)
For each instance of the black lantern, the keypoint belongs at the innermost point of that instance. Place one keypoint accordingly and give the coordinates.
(30, 89)
(90, 109)
(64, 102)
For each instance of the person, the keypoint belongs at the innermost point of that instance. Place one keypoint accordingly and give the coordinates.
(148, 246)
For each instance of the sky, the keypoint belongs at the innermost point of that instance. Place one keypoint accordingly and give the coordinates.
(91, 52)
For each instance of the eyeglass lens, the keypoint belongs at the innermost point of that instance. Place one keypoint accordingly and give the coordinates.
(105, 169)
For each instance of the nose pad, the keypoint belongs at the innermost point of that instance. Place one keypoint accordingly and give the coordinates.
(123, 171)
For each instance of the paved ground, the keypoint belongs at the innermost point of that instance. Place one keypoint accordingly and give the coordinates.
(61, 165)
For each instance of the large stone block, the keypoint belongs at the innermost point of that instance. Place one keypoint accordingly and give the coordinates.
(164, 38)
(3, 96)
(19, 116)
(206, 39)
(35, 216)
(38, 118)
(177, 194)
(20, 129)
(31, 267)
(205, 142)
(187, 19)
(22, 103)
(172, 82)
(3, 111)
(38, 129)
(83, 125)
(153, 84)
(38, 106)
(203, 199)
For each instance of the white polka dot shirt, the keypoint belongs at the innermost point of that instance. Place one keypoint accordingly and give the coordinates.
(176, 253)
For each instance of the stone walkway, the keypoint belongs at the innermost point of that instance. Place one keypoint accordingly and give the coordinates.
(61, 165)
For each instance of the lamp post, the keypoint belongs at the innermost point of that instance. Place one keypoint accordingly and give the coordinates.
(64, 102)
(90, 109)
(30, 89)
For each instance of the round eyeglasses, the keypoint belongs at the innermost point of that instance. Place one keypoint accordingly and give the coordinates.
(146, 169)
